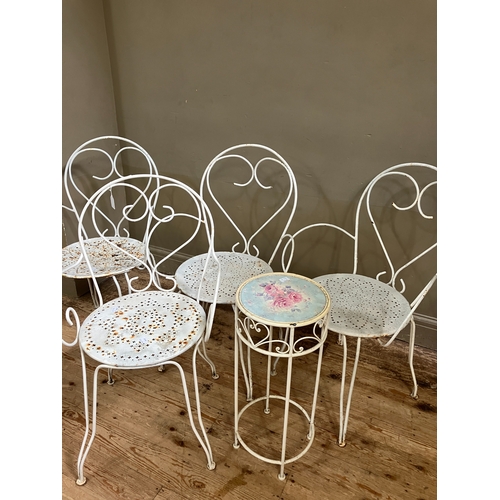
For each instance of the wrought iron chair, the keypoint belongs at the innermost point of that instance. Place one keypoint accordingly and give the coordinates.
(380, 307)
(256, 210)
(92, 165)
(154, 324)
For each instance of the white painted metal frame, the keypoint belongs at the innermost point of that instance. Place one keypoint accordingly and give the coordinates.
(154, 324)
(73, 265)
(353, 295)
(257, 334)
(242, 261)
(237, 153)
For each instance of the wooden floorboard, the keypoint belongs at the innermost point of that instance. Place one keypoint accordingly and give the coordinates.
(145, 448)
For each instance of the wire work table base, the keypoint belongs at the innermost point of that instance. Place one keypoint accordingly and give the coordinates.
(268, 310)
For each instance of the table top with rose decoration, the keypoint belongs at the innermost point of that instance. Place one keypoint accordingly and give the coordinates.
(283, 299)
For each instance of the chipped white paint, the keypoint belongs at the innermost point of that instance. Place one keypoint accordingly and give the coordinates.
(108, 257)
(142, 328)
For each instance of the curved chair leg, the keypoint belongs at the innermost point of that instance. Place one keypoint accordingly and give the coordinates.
(203, 441)
(89, 424)
(344, 419)
(111, 380)
(411, 348)
(203, 352)
(118, 287)
(204, 356)
(95, 298)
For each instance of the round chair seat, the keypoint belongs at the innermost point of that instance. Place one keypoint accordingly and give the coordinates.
(363, 306)
(235, 269)
(106, 260)
(142, 329)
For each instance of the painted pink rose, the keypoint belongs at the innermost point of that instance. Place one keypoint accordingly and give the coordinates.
(295, 297)
(272, 290)
(282, 302)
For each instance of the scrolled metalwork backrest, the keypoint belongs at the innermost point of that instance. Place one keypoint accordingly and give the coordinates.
(77, 194)
(420, 186)
(240, 154)
(167, 208)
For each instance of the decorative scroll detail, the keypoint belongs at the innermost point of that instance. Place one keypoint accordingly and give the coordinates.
(73, 189)
(71, 315)
(155, 212)
(415, 202)
(248, 246)
(281, 344)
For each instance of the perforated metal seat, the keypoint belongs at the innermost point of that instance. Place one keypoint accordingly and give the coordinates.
(235, 269)
(363, 306)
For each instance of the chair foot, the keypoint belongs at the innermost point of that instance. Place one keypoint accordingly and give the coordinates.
(273, 373)
(211, 466)
(81, 482)
(341, 445)
(281, 477)
(215, 376)
(414, 395)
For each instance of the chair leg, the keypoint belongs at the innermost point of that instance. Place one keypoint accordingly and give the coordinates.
(89, 424)
(93, 294)
(203, 351)
(237, 363)
(204, 356)
(411, 348)
(344, 419)
(111, 380)
(203, 441)
(118, 287)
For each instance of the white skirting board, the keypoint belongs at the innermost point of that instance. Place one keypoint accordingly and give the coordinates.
(426, 332)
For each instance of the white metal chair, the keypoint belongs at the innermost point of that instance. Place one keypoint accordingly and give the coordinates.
(92, 165)
(380, 307)
(154, 324)
(252, 192)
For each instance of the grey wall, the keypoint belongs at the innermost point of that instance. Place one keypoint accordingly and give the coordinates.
(88, 103)
(341, 89)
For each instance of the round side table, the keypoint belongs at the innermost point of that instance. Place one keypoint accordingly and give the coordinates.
(287, 302)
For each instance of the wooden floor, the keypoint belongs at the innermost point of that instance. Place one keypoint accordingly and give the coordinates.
(145, 448)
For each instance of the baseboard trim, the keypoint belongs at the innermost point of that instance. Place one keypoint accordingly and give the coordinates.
(425, 332)
(425, 321)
